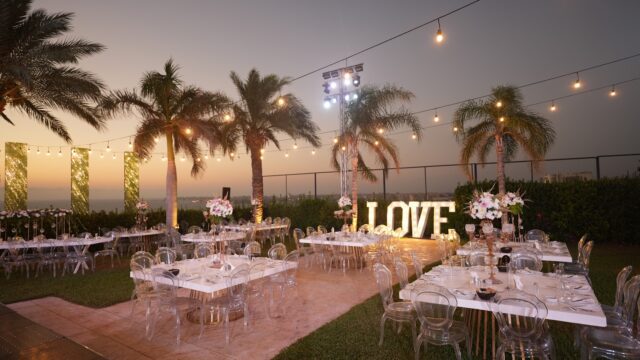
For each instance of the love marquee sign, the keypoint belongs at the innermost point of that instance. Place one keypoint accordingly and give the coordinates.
(417, 212)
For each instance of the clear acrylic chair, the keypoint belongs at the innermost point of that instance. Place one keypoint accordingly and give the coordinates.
(303, 249)
(277, 251)
(255, 288)
(278, 283)
(236, 297)
(110, 248)
(252, 249)
(194, 229)
(581, 268)
(535, 234)
(619, 341)
(417, 263)
(523, 331)
(477, 258)
(183, 250)
(435, 307)
(526, 258)
(310, 230)
(47, 257)
(399, 312)
(202, 250)
(342, 256)
(401, 272)
(165, 255)
(322, 229)
(618, 309)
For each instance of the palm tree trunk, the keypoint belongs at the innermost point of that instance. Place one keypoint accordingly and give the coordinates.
(171, 201)
(500, 167)
(256, 184)
(354, 189)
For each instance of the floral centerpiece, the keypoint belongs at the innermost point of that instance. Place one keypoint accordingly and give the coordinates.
(485, 206)
(219, 209)
(513, 202)
(345, 211)
(141, 217)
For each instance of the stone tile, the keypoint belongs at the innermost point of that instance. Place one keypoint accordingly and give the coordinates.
(60, 349)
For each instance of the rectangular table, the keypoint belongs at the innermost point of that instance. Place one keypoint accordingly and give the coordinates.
(558, 253)
(460, 278)
(343, 239)
(195, 274)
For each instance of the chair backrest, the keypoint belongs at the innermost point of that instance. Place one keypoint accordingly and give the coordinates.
(290, 273)
(381, 230)
(364, 228)
(535, 234)
(174, 236)
(297, 235)
(621, 280)
(165, 255)
(435, 307)
(194, 230)
(85, 235)
(242, 221)
(401, 272)
(526, 258)
(526, 322)
(253, 249)
(277, 220)
(143, 259)
(165, 285)
(586, 254)
(580, 246)
(477, 258)
(322, 229)
(631, 291)
(310, 230)
(268, 220)
(277, 252)
(397, 233)
(237, 281)
(417, 263)
(257, 268)
(202, 250)
(383, 280)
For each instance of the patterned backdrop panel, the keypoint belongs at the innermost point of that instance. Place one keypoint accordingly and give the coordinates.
(131, 181)
(15, 190)
(80, 180)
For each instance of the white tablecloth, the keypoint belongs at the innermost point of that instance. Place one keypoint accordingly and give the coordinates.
(196, 274)
(209, 238)
(260, 227)
(583, 308)
(54, 243)
(557, 252)
(149, 232)
(356, 239)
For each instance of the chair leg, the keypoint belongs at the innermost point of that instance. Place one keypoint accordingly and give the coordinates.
(456, 348)
(384, 318)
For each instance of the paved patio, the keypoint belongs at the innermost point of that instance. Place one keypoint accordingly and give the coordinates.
(319, 298)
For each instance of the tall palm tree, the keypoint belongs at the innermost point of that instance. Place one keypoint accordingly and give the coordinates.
(259, 116)
(503, 122)
(368, 120)
(184, 115)
(36, 68)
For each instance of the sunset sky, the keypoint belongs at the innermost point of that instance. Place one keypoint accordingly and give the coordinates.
(487, 44)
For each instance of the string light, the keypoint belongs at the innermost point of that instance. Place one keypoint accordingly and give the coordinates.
(232, 154)
(553, 106)
(414, 136)
(313, 152)
(227, 117)
(130, 144)
(28, 149)
(38, 151)
(499, 104)
(577, 84)
(48, 152)
(261, 157)
(262, 151)
(347, 79)
(295, 146)
(344, 148)
(108, 147)
(380, 130)
(501, 118)
(439, 34)
(335, 140)
(286, 154)
(188, 131)
(101, 155)
(455, 129)
(156, 139)
(206, 156)
(183, 159)
(435, 117)
(613, 91)
(376, 143)
(281, 101)
(114, 156)
(59, 151)
(164, 157)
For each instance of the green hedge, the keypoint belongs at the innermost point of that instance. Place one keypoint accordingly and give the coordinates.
(608, 209)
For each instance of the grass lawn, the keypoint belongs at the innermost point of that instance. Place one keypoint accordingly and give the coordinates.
(355, 334)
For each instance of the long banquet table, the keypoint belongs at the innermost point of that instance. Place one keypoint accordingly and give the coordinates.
(80, 246)
(554, 252)
(210, 238)
(256, 227)
(582, 306)
(340, 238)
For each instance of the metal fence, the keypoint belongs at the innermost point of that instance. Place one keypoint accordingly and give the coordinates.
(437, 181)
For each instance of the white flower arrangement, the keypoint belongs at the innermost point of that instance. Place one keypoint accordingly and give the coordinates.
(485, 206)
(142, 205)
(512, 202)
(220, 208)
(344, 202)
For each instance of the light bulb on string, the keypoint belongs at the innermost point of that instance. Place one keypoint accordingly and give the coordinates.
(48, 152)
(197, 159)
(326, 103)
(347, 79)
(206, 156)
(188, 131)
(501, 119)
(156, 139)
(577, 84)
(553, 106)
(295, 146)
(183, 159)
(439, 34)
(313, 152)
(130, 144)
(376, 143)
(108, 147)
(612, 92)
(101, 155)
(262, 151)
(29, 149)
(218, 159)
(281, 101)
(60, 152)
(344, 148)
(164, 157)
(113, 157)
(380, 130)
(261, 157)
(435, 117)
(414, 136)
(286, 154)
(498, 104)
(232, 154)
(455, 129)
(335, 140)
(38, 151)
(90, 151)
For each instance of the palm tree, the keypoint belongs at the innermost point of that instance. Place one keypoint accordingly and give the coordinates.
(368, 119)
(36, 70)
(184, 115)
(259, 116)
(503, 122)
